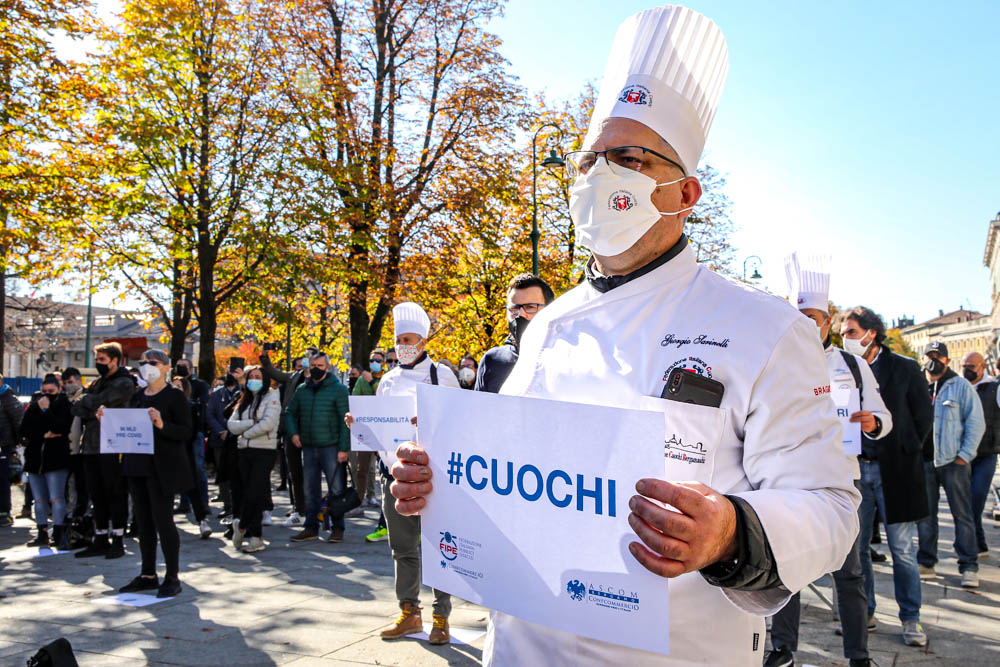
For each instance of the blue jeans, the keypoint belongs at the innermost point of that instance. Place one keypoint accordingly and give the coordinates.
(983, 468)
(318, 461)
(905, 574)
(957, 482)
(49, 490)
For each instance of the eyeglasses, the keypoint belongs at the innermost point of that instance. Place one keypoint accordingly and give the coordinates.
(631, 158)
(526, 308)
(154, 362)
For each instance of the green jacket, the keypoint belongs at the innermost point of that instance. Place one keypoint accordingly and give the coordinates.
(362, 388)
(316, 414)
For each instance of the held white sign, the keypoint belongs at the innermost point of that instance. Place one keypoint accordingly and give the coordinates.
(847, 400)
(529, 513)
(381, 423)
(126, 431)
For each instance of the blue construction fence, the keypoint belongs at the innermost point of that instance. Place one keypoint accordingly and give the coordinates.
(24, 386)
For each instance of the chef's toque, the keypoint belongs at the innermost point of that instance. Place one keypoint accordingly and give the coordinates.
(409, 317)
(808, 281)
(666, 69)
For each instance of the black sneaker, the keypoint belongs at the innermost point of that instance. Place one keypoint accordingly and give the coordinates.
(305, 536)
(117, 548)
(878, 557)
(169, 588)
(98, 548)
(140, 583)
(861, 662)
(42, 539)
(779, 657)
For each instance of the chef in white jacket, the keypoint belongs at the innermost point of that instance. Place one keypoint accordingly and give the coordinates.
(772, 507)
(852, 383)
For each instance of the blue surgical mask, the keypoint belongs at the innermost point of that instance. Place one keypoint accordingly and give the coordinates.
(255, 385)
(375, 366)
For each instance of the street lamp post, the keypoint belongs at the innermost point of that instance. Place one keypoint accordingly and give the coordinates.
(90, 318)
(553, 160)
(756, 275)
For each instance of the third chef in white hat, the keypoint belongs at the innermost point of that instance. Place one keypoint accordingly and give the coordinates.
(772, 506)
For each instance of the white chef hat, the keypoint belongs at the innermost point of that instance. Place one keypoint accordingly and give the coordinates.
(808, 281)
(666, 69)
(409, 317)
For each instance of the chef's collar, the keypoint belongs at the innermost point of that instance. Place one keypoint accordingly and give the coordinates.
(420, 359)
(603, 283)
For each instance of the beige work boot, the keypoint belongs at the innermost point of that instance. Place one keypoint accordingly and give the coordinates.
(440, 633)
(408, 623)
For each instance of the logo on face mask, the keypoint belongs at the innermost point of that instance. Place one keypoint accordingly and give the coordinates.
(638, 95)
(621, 200)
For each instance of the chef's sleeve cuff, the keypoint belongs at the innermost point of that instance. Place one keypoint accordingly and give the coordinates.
(755, 568)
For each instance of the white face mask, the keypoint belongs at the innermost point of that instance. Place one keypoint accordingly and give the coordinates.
(407, 354)
(855, 346)
(612, 210)
(149, 373)
(467, 375)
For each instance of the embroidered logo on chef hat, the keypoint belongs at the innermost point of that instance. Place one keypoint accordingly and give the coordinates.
(621, 200)
(635, 94)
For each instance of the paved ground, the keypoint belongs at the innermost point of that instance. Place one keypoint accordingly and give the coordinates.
(323, 604)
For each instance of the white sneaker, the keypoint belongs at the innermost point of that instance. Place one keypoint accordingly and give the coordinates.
(913, 634)
(206, 530)
(254, 544)
(927, 572)
(294, 520)
(970, 579)
(266, 520)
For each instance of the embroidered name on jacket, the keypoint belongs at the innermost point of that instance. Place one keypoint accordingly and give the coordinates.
(680, 341)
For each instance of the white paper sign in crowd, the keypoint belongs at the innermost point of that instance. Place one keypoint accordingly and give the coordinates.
(529, 513)
(382, 423)
(126, 431)
(847, 400)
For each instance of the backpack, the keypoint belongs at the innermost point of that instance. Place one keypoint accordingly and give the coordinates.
(57, 653)
(852, 363)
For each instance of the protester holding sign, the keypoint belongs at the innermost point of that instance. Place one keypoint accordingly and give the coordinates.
(850, 375)
(155, 478)
(769, 506)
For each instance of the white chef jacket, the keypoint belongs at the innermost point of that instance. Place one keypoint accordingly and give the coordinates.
(403, 382)
(781, 446)
(871, 396)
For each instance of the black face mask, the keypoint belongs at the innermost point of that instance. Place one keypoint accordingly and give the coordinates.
(351, 382)
(317, 374)
(934, 366)
(102, 369)
(516, 327)
(970, 375)
(181, 372)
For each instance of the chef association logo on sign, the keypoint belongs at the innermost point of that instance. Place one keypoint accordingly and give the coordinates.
(448, 546)
(460, 555)
(635, 94)
(621, 200)
(614, 598)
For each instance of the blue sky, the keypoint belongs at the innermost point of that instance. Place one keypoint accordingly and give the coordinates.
(865, 130)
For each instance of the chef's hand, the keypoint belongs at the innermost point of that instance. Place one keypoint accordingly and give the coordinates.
(341, 457)
(413, 479)
(348, 419)
(154, 416)
(700, 533)
(297, 441)
(866, 419)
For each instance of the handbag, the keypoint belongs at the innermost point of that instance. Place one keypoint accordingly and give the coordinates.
(338, 506)
(57, 653)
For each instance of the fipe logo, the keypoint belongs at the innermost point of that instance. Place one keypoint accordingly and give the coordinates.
(448, 546)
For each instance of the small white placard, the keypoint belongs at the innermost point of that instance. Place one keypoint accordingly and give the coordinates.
(382, 423)
(126, 431)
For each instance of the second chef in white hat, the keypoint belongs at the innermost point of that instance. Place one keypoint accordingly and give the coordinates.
(771, 506)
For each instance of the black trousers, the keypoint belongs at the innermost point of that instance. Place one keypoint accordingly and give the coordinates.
(107, 490)
(154, 517)
(295, 490)
(227, 475)
(255, 482)
(79, 485)
(193, 495)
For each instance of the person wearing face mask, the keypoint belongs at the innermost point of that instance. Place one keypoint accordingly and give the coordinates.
(255, 422)
(154, 479)
(772, 507)
(527, 295)
(985, 464)
(467, 371)
(366, 384)
(78, 499)
(45, 428)
(220, 403)
(315, 421)
(390, 359)
(959, 426)
(113, 389)
(199, 404)
(851, 378)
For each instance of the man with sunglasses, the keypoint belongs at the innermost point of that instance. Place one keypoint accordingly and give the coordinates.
(527, 294)
(768, 506)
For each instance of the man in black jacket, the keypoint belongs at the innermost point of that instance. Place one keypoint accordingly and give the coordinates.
(105, 482)
(526, 295)
(199, 406)
(985, 463)
(293, 455)
(11, 413)
(892, 473)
